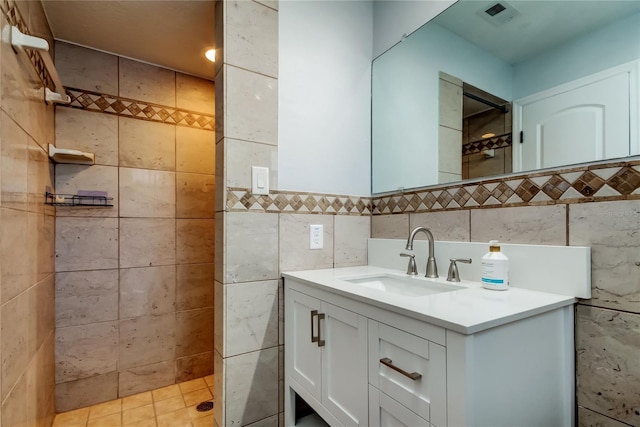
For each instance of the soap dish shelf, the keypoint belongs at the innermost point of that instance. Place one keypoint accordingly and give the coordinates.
(76, 200)
(76, 157)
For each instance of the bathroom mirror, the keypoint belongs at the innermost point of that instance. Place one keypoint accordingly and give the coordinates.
(544, 61)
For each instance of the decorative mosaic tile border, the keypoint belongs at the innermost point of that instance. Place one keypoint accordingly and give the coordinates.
(14, 17)
(241, 199)
(499, 141)
(132, 108)
(602, 182)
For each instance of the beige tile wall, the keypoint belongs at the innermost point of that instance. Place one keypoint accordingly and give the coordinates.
(490, 121)
(135, 282)
(607, 325)
(27, 228)
(246, 367)
(477, 165)
(450, 129)
(246, 296)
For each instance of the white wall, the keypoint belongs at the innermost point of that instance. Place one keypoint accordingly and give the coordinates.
(394, 18)
(615, 44)
(324, 111)
(406, 107)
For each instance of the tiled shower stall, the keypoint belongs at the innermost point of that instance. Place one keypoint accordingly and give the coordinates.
(134, 283)
(100, 303)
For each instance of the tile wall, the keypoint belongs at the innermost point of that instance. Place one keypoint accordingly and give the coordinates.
(26, 231)
(247, 288)
(134, 283)
(258, 237)
(460, 142)
(450, 129)
(474, 163)
(604, 215)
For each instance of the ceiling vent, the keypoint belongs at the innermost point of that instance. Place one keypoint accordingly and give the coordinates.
(498, 13)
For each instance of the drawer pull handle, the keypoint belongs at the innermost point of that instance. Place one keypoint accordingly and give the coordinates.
(389, 363)
(314, 313)
(320, 341)
(316, 338)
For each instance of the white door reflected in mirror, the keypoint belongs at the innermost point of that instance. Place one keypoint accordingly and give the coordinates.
(576, 124)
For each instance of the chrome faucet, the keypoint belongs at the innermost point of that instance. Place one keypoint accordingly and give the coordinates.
(432, 268)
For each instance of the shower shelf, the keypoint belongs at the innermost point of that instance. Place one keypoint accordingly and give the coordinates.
(76, 157)
(78, 200)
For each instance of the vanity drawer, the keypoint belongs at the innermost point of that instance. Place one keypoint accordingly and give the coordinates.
(410, 370)
(385, 412)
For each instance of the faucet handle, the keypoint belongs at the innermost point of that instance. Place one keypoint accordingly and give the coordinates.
(454, 275)
(412, 268)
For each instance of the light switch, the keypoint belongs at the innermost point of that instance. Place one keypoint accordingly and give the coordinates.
(315, 237)
(259, 180)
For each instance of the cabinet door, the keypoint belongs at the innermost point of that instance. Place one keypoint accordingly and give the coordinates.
(306, 361)
(386, 412)
(344, 388)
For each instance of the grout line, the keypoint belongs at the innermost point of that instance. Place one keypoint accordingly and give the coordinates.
(175, 245)
(119, 243)
(567, 207)
(595, 305)
(250, 71)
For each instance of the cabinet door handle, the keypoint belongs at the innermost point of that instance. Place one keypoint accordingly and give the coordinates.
(389, 363)
(314, 313)
(320, 341)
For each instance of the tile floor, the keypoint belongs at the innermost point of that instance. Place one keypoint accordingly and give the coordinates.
(172, 406)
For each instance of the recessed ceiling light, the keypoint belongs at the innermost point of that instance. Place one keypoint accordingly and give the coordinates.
(211, 55)
(488, 135)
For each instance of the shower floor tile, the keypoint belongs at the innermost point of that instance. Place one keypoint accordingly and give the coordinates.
(172, 406)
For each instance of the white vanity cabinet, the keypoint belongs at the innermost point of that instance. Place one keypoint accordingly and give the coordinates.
(333, 356)
(328, 357)
(359, 362)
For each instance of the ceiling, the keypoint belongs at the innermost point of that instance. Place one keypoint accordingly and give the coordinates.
(536, 27)
(540, 25)
(170, 33)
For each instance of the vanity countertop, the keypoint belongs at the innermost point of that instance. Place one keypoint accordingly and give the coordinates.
(469, 310)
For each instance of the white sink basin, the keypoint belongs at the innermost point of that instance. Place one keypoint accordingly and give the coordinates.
(402, 285)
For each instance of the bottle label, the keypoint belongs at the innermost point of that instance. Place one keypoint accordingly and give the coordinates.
(495, 272)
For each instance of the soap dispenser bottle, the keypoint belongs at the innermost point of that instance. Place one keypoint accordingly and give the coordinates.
(495, 269)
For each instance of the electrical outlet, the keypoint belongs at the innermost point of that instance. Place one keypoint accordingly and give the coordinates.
(315, 236)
